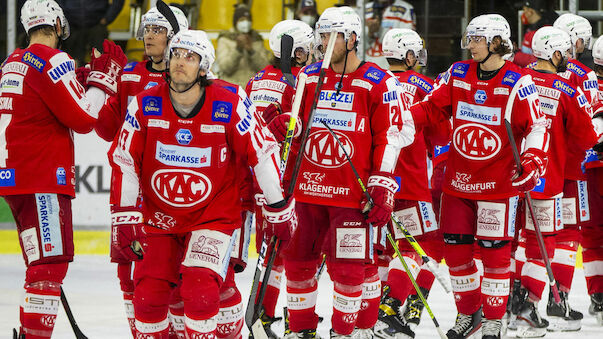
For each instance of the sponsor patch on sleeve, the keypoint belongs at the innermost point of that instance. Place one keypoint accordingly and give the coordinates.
(34, 61)
(374, 75)
(151, 105)
(221, 111)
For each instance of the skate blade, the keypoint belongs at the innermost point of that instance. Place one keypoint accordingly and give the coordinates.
(558, 324)
(530, 332)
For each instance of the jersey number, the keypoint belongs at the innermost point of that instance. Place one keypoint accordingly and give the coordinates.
(4, 121)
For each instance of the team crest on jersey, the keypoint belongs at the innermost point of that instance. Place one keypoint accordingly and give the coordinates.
(460, 70)
(221, 111)
(151, 105)
(181, 187)
(184, 136)
(34, 61)
(150, 84)
(579, 71)
(322, 149)
(130, 66)
(563, 87)
(422, 84)
(510, 78)
(476, 142)
(480, 96)
(374, 75)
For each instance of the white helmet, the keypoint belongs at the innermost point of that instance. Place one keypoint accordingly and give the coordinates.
(342, 20)
(195, 41)
(577, 27)
(397, 42)
(154, 17)
(547, 40)
(488, 26)
(598, 51)
(43, 12)
(302, 34)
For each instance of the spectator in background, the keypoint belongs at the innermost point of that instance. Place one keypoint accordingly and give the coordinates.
(373, 13)
(88, 20)
(536, 14)
(307, 12)
(399, 14)
(241, 52)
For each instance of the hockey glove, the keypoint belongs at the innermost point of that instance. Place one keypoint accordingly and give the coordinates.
(107, 68)
(271, 111)
(127, 235)
(278, 127)
(81, 75)
(282, 220)
(381, 186)
(533, 165)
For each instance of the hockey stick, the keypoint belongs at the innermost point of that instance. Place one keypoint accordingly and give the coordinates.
(166, 11)
(431, 265)
(76, 329)
(253, 314)
(539, 238)
(389, 236)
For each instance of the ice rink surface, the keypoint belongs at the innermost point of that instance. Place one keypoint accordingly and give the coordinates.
(93, 293)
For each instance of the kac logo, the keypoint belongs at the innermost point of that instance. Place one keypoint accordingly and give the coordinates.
(184, 136)
(480, 96)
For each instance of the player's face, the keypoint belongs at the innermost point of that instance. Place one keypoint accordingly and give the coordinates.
(155, 40)
(339, 49)
(301, 57)
(184, 66)
(478, 47)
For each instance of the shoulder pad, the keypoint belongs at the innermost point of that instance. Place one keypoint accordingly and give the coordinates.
(313, 68)
(510, 78)
(420, 82)
(34, 61)
(130, 66)
(374, 75)
(459, 69)
(576, 69)
(564, 87)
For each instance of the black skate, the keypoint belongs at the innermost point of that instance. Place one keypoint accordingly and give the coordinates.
(491, 328)
(305, 334)
(514, 304)
(529, 322)
(18, 335)
(390, 323)
(596, 307)
(414, 308)
(267, 323)
(466, 326)
(561, 316)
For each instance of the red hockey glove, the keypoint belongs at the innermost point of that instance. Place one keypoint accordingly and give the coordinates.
(278, 127)
(107, 67)
(281, 221)
(127, 235)
(533, 164)
(271, 111)
(381, 187)
(81, 75)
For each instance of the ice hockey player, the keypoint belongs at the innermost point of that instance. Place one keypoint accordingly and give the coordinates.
(362, 104)
(480, 198)
(562, 316)
(568, 115)
(267, 90)
(592, 231)
(155, 31)
(41, 105)
(404, 49)
(178, 146)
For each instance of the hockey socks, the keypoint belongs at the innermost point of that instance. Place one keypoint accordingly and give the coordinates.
(302, 289)
(563, 264)
(39, 309)
(230, 316)
(348, 280)
(397, 279)
(371, 297)
(273, 289)
(464, 277)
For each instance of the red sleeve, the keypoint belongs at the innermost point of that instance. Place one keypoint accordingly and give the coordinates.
(438, 134)
(109, 119)
(578, 123)
(436, 106)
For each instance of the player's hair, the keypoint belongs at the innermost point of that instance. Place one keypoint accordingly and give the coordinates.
(395, 62)
(276, 62)
(46, 30)
(598, 70)
(204, 81)
(501, 49)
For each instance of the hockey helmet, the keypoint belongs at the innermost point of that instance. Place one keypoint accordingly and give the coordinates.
(598, 51)
(302, 34)
(195, 41)
(488, 26)
(154, 17)
(397, 42)
(577, 27)
(36, 13)
(547, 40)
(342, 20)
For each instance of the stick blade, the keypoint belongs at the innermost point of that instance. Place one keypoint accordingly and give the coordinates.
(166, 11)
(286, 50)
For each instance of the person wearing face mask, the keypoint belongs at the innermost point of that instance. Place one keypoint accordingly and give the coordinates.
(373, 13)
(307, 12)
(240, 53)
(536, 14)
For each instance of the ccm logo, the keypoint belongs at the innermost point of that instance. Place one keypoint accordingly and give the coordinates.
(126, 218)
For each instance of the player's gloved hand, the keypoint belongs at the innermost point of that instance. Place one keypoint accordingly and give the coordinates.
(533, 164)
(278, 126)
(272, 111)
(280, 219)
(127, 235)
(381, 186)
(81, 74)
(107, 67)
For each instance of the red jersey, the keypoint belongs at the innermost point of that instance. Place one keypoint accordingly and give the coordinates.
(41, 104)
(269, 86)
(186, 167)
(367, 117)
(411, 170)
(568, 120)
(480, 159)
(591, 160)
(136, 77)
